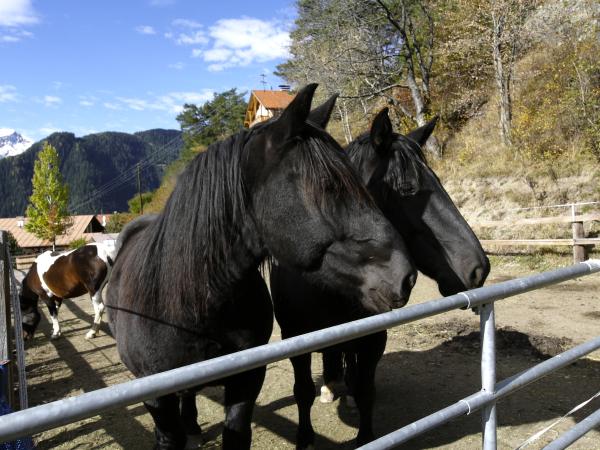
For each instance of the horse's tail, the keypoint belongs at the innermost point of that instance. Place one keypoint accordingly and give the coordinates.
(129, 230)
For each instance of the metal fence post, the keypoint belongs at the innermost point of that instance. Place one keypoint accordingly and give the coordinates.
(5, 322)
(487, 326)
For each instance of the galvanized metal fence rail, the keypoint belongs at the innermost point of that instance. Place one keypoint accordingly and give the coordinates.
(9, 306)
(61, 412)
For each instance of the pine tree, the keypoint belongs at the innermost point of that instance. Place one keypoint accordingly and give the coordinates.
(47, 209)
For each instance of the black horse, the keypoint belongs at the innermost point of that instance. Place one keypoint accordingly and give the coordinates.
(439, 240)
(186, 287)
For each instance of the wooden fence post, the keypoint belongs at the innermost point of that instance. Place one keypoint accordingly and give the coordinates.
(5, 322)
(579, 251)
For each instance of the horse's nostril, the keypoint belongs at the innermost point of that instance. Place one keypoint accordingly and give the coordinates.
(409, 283)
(477, 277)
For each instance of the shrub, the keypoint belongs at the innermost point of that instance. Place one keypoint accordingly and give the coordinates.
(80, 242)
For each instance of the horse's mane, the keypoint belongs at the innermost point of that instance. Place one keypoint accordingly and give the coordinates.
(323, 173)
(186, 255)
(192, 234)
(406, 161)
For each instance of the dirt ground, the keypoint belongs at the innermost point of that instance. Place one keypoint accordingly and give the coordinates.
(428, 365)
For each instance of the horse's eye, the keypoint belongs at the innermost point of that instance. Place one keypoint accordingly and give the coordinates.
(408, 189)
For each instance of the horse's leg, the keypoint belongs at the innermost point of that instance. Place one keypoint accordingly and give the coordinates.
(53, 307)
(189, 413)
(368, 357)
(350, 377)
(304, 393)
(98, 304)
(333, 372)
(241, 392)
(168, 429)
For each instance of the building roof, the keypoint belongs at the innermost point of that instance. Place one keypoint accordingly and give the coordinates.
(15, 225)
(266, 104)
(273, 99)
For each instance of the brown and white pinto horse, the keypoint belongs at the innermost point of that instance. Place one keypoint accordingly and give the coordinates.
(56, 276)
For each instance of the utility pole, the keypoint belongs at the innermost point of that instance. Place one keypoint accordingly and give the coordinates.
(139, 186)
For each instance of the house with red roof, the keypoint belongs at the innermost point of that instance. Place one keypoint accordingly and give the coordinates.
(86, 227)
(266, 104)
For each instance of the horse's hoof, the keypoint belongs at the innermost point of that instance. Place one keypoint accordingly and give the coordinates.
(90, 335)
(55, 336)
(327, 395)
(193, 441)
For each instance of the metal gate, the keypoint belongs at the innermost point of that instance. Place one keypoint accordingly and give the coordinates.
(61, 412)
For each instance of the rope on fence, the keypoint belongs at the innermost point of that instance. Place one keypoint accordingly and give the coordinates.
(19, 344)
(540, 433)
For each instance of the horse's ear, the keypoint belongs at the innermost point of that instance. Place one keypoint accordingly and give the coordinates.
(321, 114)
(421, 134)
(381, 131)
(293, 117)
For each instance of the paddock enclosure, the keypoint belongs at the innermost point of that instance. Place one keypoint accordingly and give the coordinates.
(428, 365)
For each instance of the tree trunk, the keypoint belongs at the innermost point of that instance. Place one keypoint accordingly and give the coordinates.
(343, 111)
(503, 76)
(432, 145)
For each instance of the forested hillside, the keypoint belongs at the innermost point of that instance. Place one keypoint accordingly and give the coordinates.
(100, 169)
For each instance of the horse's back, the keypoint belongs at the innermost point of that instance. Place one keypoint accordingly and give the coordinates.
(74, 273)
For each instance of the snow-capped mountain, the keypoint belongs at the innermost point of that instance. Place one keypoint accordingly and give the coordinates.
(12, 143)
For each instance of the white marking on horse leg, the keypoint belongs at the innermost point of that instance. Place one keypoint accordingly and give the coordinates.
(327, 395)
(98, 305)
(55, 326)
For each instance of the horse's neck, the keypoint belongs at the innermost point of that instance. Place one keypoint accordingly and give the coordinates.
(241, 256)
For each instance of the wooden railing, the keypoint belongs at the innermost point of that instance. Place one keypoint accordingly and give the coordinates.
(24, 262)
(578, 240)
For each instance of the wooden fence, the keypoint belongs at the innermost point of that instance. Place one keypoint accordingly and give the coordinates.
(24, 262)
(578, 240)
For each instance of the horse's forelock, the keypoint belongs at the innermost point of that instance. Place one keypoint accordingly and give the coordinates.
(406, 159)
(327, 173)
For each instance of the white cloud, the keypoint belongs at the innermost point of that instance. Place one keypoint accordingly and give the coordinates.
(191, 38)
(9, 38)
(186, 23)
(8, 93)
(239, 42)
(187, 32)
(171, 102)
(135, 103)
(51, 100)
(16, 13)
(14, 35)
(197, 52)
(217, 54)
(113, 106)
(86, 103)
(177, 66)
(145, 29)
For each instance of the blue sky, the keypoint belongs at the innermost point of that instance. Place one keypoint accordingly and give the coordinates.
(90, 66)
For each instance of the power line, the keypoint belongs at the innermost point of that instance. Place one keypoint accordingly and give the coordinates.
(126, 175)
